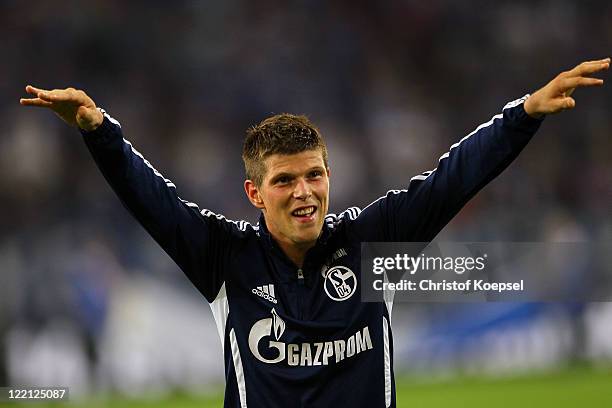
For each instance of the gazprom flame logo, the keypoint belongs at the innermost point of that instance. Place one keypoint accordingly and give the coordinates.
(278, 325)
(273, 327)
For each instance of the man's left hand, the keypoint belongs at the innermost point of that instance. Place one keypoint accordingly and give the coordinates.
(556, 95)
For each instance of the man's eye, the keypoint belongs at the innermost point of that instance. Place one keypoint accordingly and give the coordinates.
(316, 173)
(282, 180)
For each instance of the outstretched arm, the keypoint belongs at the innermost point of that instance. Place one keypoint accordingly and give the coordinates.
(199, 242)
(434, 197)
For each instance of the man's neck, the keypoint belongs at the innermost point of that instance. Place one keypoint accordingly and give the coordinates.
(296, 253)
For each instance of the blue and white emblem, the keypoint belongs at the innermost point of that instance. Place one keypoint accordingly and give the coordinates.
(340, 283)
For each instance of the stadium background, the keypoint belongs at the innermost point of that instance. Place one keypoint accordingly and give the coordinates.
(88, 300)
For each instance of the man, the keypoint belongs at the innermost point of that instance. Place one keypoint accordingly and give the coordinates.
(285, 293)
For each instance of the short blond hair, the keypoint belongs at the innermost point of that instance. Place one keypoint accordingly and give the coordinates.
(279, 134)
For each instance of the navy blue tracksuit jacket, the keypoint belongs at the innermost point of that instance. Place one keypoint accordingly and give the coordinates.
(301, 337)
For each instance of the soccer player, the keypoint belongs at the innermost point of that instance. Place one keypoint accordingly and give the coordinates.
(285, 293)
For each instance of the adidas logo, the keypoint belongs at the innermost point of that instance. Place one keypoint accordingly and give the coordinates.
(266, 292)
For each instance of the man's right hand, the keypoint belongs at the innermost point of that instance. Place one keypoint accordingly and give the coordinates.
(72, 105)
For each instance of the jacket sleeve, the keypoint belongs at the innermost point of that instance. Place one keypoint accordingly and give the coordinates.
(200, 243)
(434, 197)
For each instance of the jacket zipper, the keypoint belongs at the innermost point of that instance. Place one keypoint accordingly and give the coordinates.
(300, 279)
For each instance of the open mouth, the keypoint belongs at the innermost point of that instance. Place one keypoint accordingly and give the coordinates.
(304, 212)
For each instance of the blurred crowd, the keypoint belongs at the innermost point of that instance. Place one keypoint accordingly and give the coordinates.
(391, 84)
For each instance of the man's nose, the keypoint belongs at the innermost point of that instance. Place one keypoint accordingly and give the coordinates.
(302, 190)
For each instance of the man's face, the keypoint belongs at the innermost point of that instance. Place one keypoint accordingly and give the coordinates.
(294, 197)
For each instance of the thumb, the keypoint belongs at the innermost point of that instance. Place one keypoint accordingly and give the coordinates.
(568, 102)
(561, 104)
(88, 118)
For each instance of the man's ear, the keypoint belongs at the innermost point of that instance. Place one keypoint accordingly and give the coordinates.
(253, 195)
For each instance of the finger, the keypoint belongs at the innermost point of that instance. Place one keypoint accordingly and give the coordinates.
(568, 103)
(33, 90)
(59, 95)
(563, 104)
(587, 69)
(34, 102)
(566, 84)
(599, 61)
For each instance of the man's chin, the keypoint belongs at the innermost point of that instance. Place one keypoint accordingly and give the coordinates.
(308, 237)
